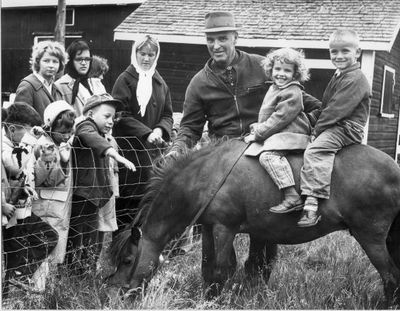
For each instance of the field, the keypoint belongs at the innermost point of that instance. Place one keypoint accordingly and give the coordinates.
(329, 273)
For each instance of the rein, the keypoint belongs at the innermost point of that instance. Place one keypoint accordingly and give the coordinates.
(202, 209)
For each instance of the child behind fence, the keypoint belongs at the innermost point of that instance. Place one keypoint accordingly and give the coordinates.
(27, 238)
(92, 185)
(53, 173)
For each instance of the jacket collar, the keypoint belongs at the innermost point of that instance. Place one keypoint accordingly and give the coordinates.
(132, 71)
(207, 66)
(289, 84)
(348, 69)
(90, 121)
(67, 79)
(34, 81)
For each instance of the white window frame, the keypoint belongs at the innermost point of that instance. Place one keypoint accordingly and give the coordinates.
(385, 69)
(73, 16)
(51, 37)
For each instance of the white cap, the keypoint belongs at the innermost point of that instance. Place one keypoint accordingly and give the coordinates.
(54, 109)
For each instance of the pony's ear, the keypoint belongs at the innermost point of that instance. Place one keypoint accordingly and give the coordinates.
(136, 234)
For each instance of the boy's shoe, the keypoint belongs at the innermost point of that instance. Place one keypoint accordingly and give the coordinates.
(309, 219)
(287, 206)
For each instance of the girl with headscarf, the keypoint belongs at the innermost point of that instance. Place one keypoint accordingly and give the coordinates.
(76, 86)
(145, 122)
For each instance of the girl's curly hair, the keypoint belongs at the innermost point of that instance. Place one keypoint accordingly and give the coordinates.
(288, 56)
(54, 48)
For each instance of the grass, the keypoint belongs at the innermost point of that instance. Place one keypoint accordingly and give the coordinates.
(329, 273)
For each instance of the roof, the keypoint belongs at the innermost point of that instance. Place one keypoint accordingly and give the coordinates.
(272, 23)
(43, 3)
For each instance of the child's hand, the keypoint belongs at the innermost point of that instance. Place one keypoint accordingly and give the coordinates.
(249, 138)
(252, 127)
(31, 192)
(312, 138)
(7, 209)
(128, 164)
(37, 131)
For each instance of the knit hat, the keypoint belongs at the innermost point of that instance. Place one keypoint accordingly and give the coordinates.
(53, 110)
(97, 100)
(219, 21)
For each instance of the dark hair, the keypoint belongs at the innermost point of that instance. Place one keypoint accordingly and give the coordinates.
(74, 48)
(21, 113)
(77, 46)
(65, 118)
(99, 66)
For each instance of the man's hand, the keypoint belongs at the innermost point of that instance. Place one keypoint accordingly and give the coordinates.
(155, 137)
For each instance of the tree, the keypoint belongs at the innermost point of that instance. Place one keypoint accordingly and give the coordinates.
(59, 30)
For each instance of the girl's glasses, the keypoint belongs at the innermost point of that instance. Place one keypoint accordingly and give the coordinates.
(83, 59)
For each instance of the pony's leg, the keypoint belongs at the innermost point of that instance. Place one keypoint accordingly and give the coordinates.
(262, 257)
(224, 262)
(208, 255)
(375, 247)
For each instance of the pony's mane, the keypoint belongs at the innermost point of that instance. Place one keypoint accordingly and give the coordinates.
(165, 168)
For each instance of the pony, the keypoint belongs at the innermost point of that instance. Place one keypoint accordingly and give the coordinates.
(228, 193)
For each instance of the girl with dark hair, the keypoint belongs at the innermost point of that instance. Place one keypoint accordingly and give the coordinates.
(75, 85)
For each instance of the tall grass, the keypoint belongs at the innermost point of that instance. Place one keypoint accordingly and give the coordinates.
(329, 273)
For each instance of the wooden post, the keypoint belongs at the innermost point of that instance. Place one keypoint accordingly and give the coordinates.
(59, 30)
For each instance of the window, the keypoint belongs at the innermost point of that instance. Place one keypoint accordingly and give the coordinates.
(70, 17)
(387, 100)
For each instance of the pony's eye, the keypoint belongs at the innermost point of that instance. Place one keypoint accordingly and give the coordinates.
(127, 261)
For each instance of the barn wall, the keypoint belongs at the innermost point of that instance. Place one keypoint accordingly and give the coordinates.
(383, 131)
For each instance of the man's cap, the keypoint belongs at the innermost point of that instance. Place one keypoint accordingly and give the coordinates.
(219, 21)
(97, 100)
(53, 110)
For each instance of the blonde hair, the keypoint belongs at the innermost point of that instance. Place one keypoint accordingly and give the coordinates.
(348, 35)
(288, 56)
(53, 48)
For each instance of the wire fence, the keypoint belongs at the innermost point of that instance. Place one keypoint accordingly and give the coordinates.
(81, 204)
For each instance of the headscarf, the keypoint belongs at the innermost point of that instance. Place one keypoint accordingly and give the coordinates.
(72, 50)
(145, 84)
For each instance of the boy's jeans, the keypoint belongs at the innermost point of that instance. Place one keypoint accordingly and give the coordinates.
(320, 155)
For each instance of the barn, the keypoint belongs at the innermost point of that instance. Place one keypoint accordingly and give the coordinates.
(304, 24)
(25, 22)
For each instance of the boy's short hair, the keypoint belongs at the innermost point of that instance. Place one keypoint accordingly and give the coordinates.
(288, 56)
(20, 113)
(99, 66)
(53, 48)
(345, 34)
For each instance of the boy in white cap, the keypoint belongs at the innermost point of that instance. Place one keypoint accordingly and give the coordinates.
(92, 185)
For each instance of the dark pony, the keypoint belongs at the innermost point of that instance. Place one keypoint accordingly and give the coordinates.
(229, 193)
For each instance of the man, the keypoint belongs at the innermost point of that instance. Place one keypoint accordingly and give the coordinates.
(228, 91)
